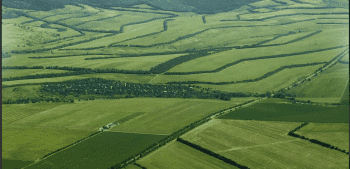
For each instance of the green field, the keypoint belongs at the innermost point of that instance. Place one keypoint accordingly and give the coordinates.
(292, 113)
(331, 83)
(101, 151)
(177, 155)
(222, 135)
(335, 134)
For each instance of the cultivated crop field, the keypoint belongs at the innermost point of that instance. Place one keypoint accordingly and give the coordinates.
(102, 151)
(291, 112)
(100, 84)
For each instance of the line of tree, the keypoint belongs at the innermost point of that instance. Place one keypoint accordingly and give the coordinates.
(249, 80)
(37, 100)
(211, 153)
(323, 144)
(22, 67)
(251, 59)
(344, 62)
(73, 72)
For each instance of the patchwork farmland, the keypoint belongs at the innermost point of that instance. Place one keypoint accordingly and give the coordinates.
(175, 84)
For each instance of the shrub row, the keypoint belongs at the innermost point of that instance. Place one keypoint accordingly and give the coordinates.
(75, 71)
(323, 144)
(206, 151)
(251, 59)
(250, 80)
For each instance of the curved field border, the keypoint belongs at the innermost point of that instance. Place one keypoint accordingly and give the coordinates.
(199, 32)
(251, 80)
(82, 33)
(250, 59)
(270, 17)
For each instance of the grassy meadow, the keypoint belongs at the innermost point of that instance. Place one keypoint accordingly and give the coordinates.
(274, 82)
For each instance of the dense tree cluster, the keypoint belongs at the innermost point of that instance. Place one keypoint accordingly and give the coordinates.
(110, 88)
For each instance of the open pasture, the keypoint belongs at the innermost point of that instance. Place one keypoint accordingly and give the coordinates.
(335, 134)
(331, 83)
(225, 135)
(251, 69)
(58, 11)
(101, 151)
(264, 3)
(7, 73)
(177, 155)
(293, 154)
(291, 113)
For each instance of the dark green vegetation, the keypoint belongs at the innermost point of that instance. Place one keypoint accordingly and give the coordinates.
(14, 164)
(101, 151)
(102, 88)
(291, 113)
(211, 153)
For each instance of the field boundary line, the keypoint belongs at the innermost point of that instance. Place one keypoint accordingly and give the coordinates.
(135, 132)
(211, 153)
(63, 148)
(314, 141)
(341, 97)
(152, 79)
